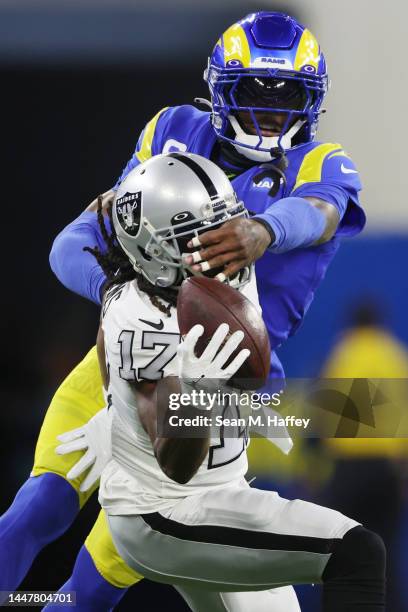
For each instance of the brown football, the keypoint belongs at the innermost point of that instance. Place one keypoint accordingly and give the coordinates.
(209, 302)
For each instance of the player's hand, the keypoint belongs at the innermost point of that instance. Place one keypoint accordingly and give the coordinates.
(212, 363)
(278, 435)
(104, 199)
(236, 244)
(95, 438)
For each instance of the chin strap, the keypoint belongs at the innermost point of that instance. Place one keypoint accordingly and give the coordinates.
(231, 155)
(274, 170)
(203, 102)
(247, 144)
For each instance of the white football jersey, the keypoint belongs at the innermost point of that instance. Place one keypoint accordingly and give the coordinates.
(141, 343)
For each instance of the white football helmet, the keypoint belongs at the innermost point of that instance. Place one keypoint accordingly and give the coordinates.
(165, 202)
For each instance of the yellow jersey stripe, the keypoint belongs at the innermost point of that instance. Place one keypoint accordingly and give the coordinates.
(236, 46)
(341, 153)
(310, 170)
(145, 152)
(308, 51)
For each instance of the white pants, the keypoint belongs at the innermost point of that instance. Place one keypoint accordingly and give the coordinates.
(282, 599)
(237, 539)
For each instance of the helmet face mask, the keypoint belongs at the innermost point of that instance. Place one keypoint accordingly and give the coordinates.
(174, 206)
(168, 244)
(267, 64)
(283, 94)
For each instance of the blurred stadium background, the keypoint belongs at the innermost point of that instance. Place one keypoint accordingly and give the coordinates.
(79, 80)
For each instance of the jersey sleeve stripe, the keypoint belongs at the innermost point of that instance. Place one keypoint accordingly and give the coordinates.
(341, 153)
(145, 151)
(310, 170)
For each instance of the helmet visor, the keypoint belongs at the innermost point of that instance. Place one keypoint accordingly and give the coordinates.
(268, 92)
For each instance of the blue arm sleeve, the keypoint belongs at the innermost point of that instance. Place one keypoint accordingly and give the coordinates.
(79, 270)
(294, 222)
(74, 267)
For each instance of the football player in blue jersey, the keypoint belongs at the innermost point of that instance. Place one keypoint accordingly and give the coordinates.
(267, 79)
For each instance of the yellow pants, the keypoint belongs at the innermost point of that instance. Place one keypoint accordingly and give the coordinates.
(76, 401)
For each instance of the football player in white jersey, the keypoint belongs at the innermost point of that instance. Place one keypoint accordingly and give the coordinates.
(139, 323)
(175, 515)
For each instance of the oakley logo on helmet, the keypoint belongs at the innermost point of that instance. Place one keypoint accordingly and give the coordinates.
(308, 68)
(128, 210)
(234, 63)
(183, 216)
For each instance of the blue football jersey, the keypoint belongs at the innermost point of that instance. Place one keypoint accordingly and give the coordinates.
(287, 281)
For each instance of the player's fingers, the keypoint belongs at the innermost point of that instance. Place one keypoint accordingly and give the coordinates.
(71, 447)
(232, 269)
(188, 345)
(210, 237)
(232, 343)
(212, 251)
(71, 435)
(216, 262)
(91, 478)
(216, 341)
(83, 464)
(237, 363)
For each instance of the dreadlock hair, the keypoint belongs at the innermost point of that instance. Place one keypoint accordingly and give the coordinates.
(118, 269)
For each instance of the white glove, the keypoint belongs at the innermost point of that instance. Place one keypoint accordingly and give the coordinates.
(95, 438)
(210, 363)
(284, 442)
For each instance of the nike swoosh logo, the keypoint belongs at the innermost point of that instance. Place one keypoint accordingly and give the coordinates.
(348, 170)
(157, 326)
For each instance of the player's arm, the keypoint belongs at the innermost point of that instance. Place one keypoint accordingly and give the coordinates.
(100, 348)
(331, 216)
(77, 269)
(179, 458)
(106, 200)
(289, 224)
(309, 216)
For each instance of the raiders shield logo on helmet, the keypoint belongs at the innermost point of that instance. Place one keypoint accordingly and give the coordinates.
(128, 210)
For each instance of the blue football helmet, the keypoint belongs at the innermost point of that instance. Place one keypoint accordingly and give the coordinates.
(267, 78)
